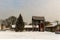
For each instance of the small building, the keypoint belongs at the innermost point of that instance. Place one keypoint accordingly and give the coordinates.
(40, 21)
(57, 31)
(51, 28)
(2, 25)
(29, 28)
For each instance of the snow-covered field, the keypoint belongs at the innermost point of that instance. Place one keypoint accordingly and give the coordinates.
(28, 35)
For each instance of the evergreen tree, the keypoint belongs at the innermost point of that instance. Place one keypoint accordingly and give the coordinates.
(19, 24)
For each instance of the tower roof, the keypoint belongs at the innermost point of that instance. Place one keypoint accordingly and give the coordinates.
(38, 18)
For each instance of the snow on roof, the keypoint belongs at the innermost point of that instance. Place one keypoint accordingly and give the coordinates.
(13, 26)
(26, 26)
(53, 25)
(30, 26)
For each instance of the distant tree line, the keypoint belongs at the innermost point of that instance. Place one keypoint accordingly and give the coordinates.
(12, 20)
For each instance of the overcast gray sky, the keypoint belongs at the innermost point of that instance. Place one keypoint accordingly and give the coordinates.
(50, 9)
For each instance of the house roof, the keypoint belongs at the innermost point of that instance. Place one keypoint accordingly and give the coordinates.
(53, 25)
(30, 26)
(26, 26)
(13, 26)
(38, 18)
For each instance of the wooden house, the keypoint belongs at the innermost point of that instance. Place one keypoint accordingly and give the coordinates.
(2, 25)
(51, 28)
(37, 20)
(57, 31)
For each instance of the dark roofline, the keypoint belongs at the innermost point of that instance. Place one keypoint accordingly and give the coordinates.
(38, 18)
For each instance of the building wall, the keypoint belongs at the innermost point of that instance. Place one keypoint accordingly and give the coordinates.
(3, 27)
(50, 29)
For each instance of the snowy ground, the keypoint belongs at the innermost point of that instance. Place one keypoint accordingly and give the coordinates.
(28, 35)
